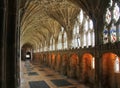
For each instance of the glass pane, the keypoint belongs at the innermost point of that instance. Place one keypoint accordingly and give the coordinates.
(105, 36)
(116, 12)
(113, 36)
(108, 16)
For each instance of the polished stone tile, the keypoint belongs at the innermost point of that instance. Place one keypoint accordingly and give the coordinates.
(44, 74)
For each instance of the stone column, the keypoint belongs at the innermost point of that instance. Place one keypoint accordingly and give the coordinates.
(98, 26)
(98, 72)
(10, 45)
(2, 17)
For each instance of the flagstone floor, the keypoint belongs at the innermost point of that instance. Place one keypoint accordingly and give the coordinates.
(31, 73)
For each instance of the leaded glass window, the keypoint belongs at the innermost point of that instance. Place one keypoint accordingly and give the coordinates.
(111, 32)
(113, 36)
(83, 32)
(105, 36)
(76, 36)
(60, 40)
(116, 13)
(108, 16)
(80, 16)
(65, 40)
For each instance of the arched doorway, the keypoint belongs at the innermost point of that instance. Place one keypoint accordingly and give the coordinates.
(58, 62)
(110, 70)
(88, 65)
(74, 61)
(26, 52)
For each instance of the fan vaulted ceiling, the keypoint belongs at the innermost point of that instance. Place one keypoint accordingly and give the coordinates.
(42, 19)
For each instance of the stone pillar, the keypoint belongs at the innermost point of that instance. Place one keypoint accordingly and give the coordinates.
(2, 17)
(98, 26)
(8, 30)
(11, 45)
(18, 62)
(98, 69)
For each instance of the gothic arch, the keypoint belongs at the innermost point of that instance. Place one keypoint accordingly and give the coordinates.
(73, 62)
(88, 68)
(110, 66)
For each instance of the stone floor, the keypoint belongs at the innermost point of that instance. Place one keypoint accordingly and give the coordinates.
(31, 73)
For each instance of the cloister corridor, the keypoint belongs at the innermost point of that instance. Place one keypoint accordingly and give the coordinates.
(59, 43)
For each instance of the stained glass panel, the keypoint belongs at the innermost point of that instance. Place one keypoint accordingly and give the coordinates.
(116, 12)
(108, 16)
(113, 36)
(105, 36)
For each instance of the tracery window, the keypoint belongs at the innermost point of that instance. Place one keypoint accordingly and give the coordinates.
(113, 37)
(60, 45)
(88, 38)
(105, 35)
(85, 29)
(65, 40)
(52, 44)
(80, 17)
(50, 48)
(76, 36)
(108, 16)
(86, 34)
(111, 32)
(93, 38)
(89, 33)
(116, 12)
(83, 32)
(59, 41)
